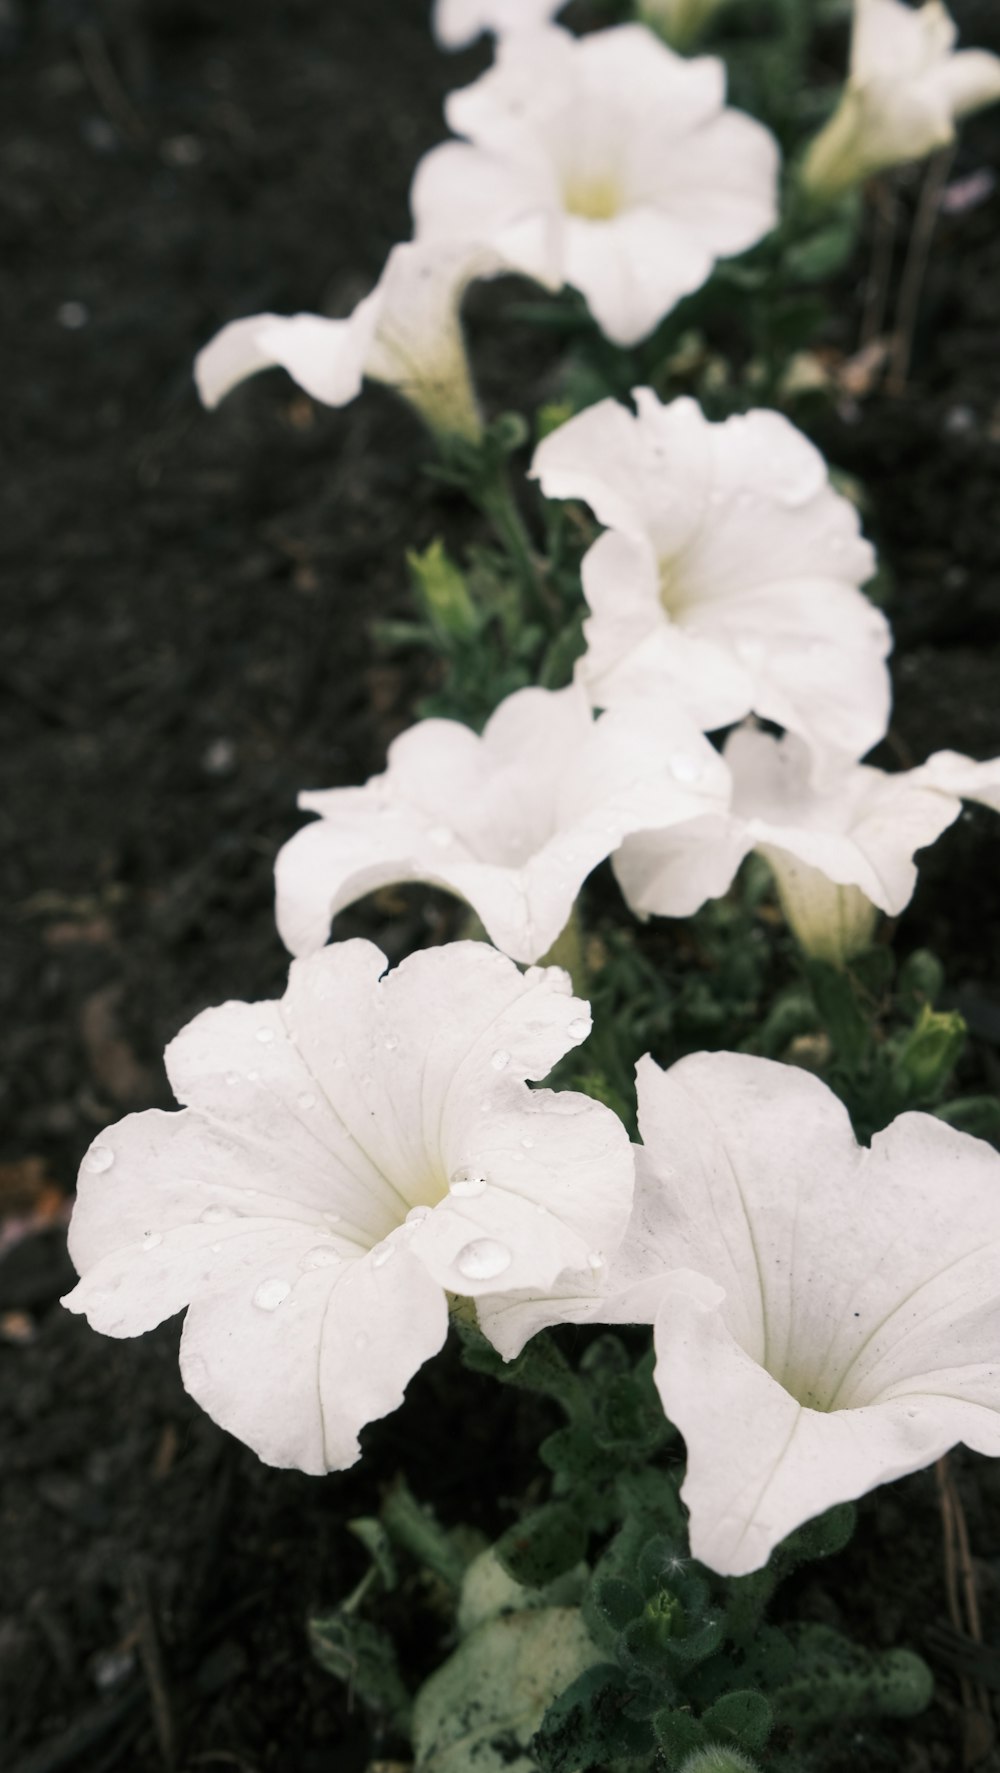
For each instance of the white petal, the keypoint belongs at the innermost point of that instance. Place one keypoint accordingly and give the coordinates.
(970, 80)
(558, 1176)
(758, 1463)
(513, 822)
(326, 357)
(459, 22)
(671, 873)
(464, 191)
(633, 268)
(962, 777)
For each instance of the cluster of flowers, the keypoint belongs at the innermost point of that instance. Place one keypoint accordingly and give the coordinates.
(825, 1316)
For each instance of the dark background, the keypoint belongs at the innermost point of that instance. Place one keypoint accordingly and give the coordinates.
(185, 603)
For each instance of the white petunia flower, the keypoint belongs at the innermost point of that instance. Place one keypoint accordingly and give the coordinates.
(906, 90)
(406, 333)
(458, 23)
(839, 853)
(512, 822)
(729, 573)
(606, 162)
(827, 1317)
(346, 1157)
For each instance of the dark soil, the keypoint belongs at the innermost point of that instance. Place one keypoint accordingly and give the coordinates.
(186, 611)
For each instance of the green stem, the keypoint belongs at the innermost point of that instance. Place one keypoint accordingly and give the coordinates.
(569, 951)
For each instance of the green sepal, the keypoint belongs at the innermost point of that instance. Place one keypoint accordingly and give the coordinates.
(364, 1659)
(743, 1718)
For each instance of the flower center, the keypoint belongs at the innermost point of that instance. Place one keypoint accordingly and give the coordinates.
(596, 198)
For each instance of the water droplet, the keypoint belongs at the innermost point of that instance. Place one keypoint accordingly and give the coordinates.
(580, 1027)
(270, 1293)
(483, 1259)
(500, 1059)
(232, 1077)
(252, 1076)
(441, 836)
(152, 1239)
(307, 1099)
(417, 1215)
(486, 1104)
(391, 1042)
(361, 1341)
(382, 1253)
(321, 1256)
(216, 1249)
(264, 1035)
(467, 1181)
(98, 1159)
(527, 1142)
(214, 1215)
(339, 1061)
(684, 768)
(595, 1261)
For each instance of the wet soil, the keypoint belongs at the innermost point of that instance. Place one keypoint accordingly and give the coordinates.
(186, 607)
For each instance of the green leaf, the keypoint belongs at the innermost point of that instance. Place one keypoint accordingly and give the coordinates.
(839, 1010)
(836, 1680)
(744, 1718)
(542, 1546)
(678, 1735)
(479, 1712)
(589, 1726)
(364, 1659)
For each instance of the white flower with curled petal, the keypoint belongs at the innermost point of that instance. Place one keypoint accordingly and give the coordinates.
(839, 853)
(827, 1317)
(406, 333)
(458, 23)
(729, 574)
(512, 822)
(906, 90)
(606, 162)
(346, 1157)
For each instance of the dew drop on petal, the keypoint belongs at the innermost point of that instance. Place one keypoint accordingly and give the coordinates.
(332, 1218)
(483, 1259)
(684, 768)
(361, 1341)
(98, 1159)
(527, 1142)
(321, 1256)
(441, 836)
(270, 1294)
(417, 1215)
(232, 1077)
(264, 1035)
(486, 1104)
(595, 1261)
(391, 1042)
(500, 1059)
(306, 1099)
(580, 1027)
(382, 1253)
(467, 1181)
(252, 1076)
(152, 1239)
(215, 1215)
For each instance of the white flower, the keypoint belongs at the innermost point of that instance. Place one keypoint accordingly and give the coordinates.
(729, 574)
(407, 333)
(459, 22)
(906, 91)
(827, 1317)
(346, 1157)
(512, 822)
(606, 162)
(839, 853)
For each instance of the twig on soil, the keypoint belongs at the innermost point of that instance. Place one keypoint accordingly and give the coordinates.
(140, 1606)
(85, 1733)
(960, 1587)
(914, 270)
(108, 89)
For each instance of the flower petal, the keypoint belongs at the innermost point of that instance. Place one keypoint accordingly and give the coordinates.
(326, 357)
